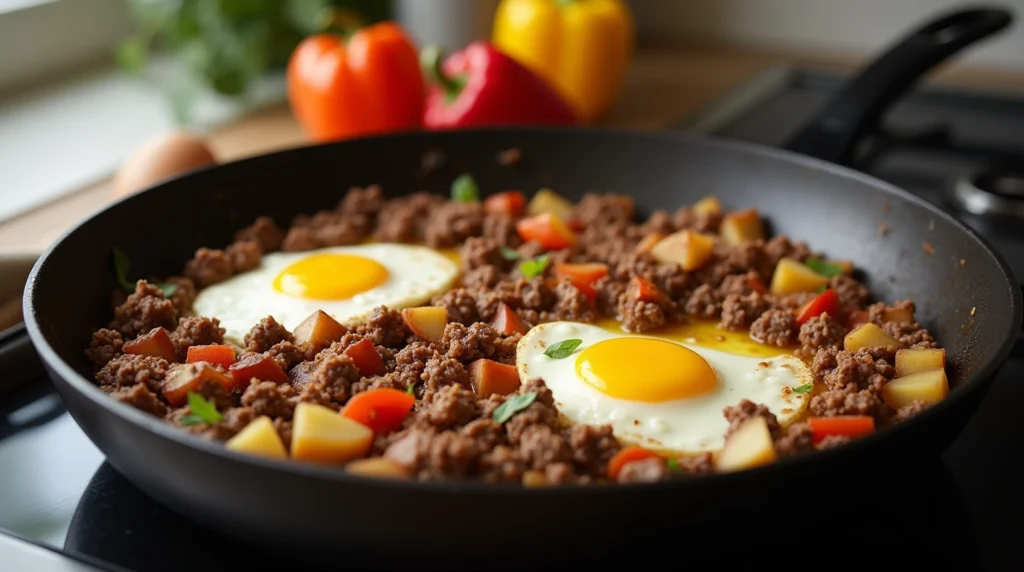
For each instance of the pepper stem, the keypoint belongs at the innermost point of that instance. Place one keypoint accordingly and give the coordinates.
(432, 62)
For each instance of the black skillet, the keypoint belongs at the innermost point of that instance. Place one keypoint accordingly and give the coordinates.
(964, 292)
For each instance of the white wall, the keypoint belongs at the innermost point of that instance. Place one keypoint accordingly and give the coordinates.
(857, 26)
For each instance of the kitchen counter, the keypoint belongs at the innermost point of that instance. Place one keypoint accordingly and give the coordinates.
(665, 85)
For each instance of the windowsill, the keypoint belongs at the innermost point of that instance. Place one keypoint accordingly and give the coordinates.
(65, 135)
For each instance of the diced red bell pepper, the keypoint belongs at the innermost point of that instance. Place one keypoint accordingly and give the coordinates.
(506, 321)
(366, 358)
(155, 343)
(628, 455)
(216, 354)
(583, 276)
(256, 366)
(547, 230)
(382, 410)
(825, 303)
(511, 203)
(645, 291)
(843, 425)
(756, 284)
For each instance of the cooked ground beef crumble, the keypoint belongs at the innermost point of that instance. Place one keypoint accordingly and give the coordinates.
(451, 432)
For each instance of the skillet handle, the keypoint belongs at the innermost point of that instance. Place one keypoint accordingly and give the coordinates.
(834, 133)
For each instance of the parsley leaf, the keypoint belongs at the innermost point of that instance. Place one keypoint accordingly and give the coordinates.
(535, 267)
(805, 388)
(464, 189)
(121, 267)
(167, 288)
(514, 404)
(510, 253)
(673, 465)
(411, 390)
(562, 349)
(821, 289)
(823, 268)
(203, 411)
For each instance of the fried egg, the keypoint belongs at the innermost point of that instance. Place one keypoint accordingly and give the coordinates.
(346, 282)
(658, 393)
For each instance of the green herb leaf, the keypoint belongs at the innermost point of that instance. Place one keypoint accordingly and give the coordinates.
(121, 267)
(514, 404)
(562, 349)
(673, 465)
(167, 288)
(535, 267)
(823, 268)
(132, 55)
(822, 288)
(203, 411)
(464, 189)
(805, 388)
(510, 253)
(411, 390)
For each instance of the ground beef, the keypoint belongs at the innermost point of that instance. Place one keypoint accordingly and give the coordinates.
(849, 401)
(265, 232)
(501, 229)
(127, 370)
(105, 345)
(640, 315)
(605, 210)
(478, 252)
(795, 439)
(850, 291)
(286, 354)
(330, 382)
(833, 441)
(266, 334)
(819, 332)
(703, 302)
(184, 294)
(908, 411)
(696, 465)
(460, 304)
(244, 255)
(477, 341)
(301, 238)
(867, 368)
(740, 311)
(441, 371)
(196, 331)
(142, 398)
(386, 328)
(209, 266)
(746, 410)
(451, 404)
(592, 446)
(270, 399)
(362, 201)
(775, 328)
(144, 309)
(687, 219)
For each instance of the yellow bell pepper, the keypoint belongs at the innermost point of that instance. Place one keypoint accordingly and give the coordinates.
(582, 47)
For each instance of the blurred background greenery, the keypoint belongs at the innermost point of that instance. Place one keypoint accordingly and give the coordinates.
(223, 45)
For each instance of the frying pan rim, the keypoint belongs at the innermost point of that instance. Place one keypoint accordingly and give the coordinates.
(163, 430)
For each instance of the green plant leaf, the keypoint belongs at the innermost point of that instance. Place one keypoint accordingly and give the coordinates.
(122, 266)
(534, 267)
(132, 55)
(464, 189)
(203, 411)
(513, 404)
(672, 464)
(562, 349)
(167, 288)
(823, 268)
(510, 253)
(805, 388)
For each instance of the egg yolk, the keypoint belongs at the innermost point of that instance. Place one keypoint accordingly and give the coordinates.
(330, 277)
(645, 369)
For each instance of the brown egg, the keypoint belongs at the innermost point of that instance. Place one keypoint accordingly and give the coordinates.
(159, 158)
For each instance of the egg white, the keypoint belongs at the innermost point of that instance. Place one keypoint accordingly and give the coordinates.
(416, 274)
(691, 425)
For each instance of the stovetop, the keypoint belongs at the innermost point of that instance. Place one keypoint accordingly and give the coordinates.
(962, 510)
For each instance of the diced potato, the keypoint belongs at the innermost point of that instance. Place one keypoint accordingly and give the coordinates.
(846, 265)
(493, 378)
(750, 446)
(742, 226)
(427, 322)
(915, 361)
(792, 277)
(534, 479)
(256, 366)
(868, 335)
(648, 242)
(548, 201)
(156, 343)
(928, 386)
(185, 378)
(689, 249)
(320, 434)
(259, 438)
(901, 315)
(708, 206)
(378, 467)
(318, 331)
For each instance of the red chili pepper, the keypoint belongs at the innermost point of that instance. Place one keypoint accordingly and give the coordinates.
(480, 86)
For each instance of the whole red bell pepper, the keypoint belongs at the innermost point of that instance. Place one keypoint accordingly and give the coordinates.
(480, 86)
(370, 83)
